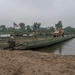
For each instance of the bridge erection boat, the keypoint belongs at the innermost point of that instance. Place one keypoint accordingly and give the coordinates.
(44, 43)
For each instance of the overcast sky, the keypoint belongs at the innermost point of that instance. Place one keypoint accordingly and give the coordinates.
(47, 12)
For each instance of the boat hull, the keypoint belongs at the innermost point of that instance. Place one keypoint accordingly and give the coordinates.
(45, 43)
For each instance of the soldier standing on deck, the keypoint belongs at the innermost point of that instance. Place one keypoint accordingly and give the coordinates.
(11, 42)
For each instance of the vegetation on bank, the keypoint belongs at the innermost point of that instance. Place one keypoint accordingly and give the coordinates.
(35, 27)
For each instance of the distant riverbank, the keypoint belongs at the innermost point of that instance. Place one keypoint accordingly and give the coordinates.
(35, 63)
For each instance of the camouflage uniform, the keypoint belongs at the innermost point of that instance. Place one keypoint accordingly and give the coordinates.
(11, 43)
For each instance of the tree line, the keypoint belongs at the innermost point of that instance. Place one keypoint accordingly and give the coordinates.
(35, 27)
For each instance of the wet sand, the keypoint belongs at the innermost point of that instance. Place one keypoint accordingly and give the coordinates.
(35, 63)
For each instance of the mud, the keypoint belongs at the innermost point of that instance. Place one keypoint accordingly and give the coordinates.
(35, 63)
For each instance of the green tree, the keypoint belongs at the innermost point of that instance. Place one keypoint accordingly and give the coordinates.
(59, 25)
(43, 30)
(69, 29)
(28, 28)
(3, 27)
(36, 26)
(52, 29)
(10, 28)
(22, 25)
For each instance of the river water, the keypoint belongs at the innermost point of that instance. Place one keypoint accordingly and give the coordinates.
(64, 48)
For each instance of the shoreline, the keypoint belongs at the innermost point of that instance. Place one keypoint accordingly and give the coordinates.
(29, 62)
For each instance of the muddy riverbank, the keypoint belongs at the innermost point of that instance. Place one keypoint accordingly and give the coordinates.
(35, 63)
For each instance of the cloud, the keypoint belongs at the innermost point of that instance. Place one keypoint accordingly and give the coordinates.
(48, 12)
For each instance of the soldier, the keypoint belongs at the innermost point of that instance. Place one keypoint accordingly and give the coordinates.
(11, 43)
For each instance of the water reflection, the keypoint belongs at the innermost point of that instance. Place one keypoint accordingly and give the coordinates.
(53, 48)
(64, 48)
(60, 50)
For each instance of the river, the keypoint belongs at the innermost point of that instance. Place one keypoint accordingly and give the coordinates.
(64, 48)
